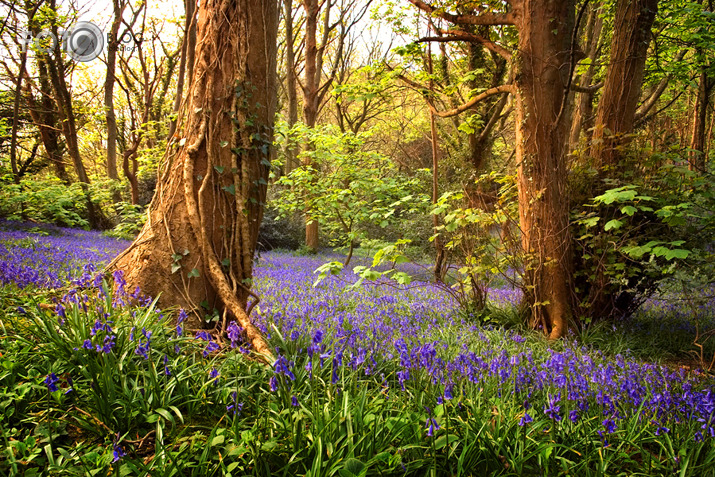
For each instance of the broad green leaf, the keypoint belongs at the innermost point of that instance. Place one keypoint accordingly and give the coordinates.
(612, 224)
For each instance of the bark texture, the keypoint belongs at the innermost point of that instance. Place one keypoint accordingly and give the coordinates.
(545, 31)
(209, 200)
(624, 77)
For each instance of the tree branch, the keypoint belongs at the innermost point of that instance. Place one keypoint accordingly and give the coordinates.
(466, 19)
(459, 35)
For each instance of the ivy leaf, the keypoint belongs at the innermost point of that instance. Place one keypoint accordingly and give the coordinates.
(230, 189)
(175, 267)
(194, 273)
(219, 169)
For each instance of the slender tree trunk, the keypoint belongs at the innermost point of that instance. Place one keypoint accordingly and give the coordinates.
(109, 94)
(439, 259)
(541, 134)
(16, 119)
(696, 155)
(44, 116)
(583, 111)
(210, 196)
(188, 44)
(310, 100)
(291, 83)
(63, 99)
(621, 92)
(130, 166)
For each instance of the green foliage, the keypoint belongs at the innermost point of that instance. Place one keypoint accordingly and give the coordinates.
(633, 237)
(131, 221)
(43, 200)
(471, 232)
(345, 187)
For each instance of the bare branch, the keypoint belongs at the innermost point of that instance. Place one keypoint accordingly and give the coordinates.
(459, 35)
(586, 89)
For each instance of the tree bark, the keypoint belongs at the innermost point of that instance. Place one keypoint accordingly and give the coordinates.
(545, 32)
(310, 99)
(209, 200)
(621, 92)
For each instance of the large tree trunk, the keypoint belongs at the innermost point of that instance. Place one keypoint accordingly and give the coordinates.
(209, 201)
(614, 124)
(617, 107)
(542, 130)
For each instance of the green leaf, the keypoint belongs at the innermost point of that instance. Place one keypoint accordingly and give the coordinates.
(590, 222)
(218, 440)
(629, 210)
(677, 253)
(230, 189)
(175, 267)
(612, 224)
(194, 273)
(219, 169)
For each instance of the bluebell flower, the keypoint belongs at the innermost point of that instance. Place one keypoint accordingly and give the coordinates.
(431, 426)
(525, 419)
(51, 381)
(118, 452)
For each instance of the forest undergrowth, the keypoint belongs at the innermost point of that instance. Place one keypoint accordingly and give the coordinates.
(374, 380)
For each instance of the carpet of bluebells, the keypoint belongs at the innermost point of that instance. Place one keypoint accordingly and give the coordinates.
(369, 380)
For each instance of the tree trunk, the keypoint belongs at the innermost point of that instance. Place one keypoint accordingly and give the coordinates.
(291, 83)
(310, 100)
(130, 166)
(63, 98)
(617, 107)
(541, 133)
(109, 95)
(188, 44)
(583, 112)
(696, 155)
(44, 115)
(16, 119)
(209, 201)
